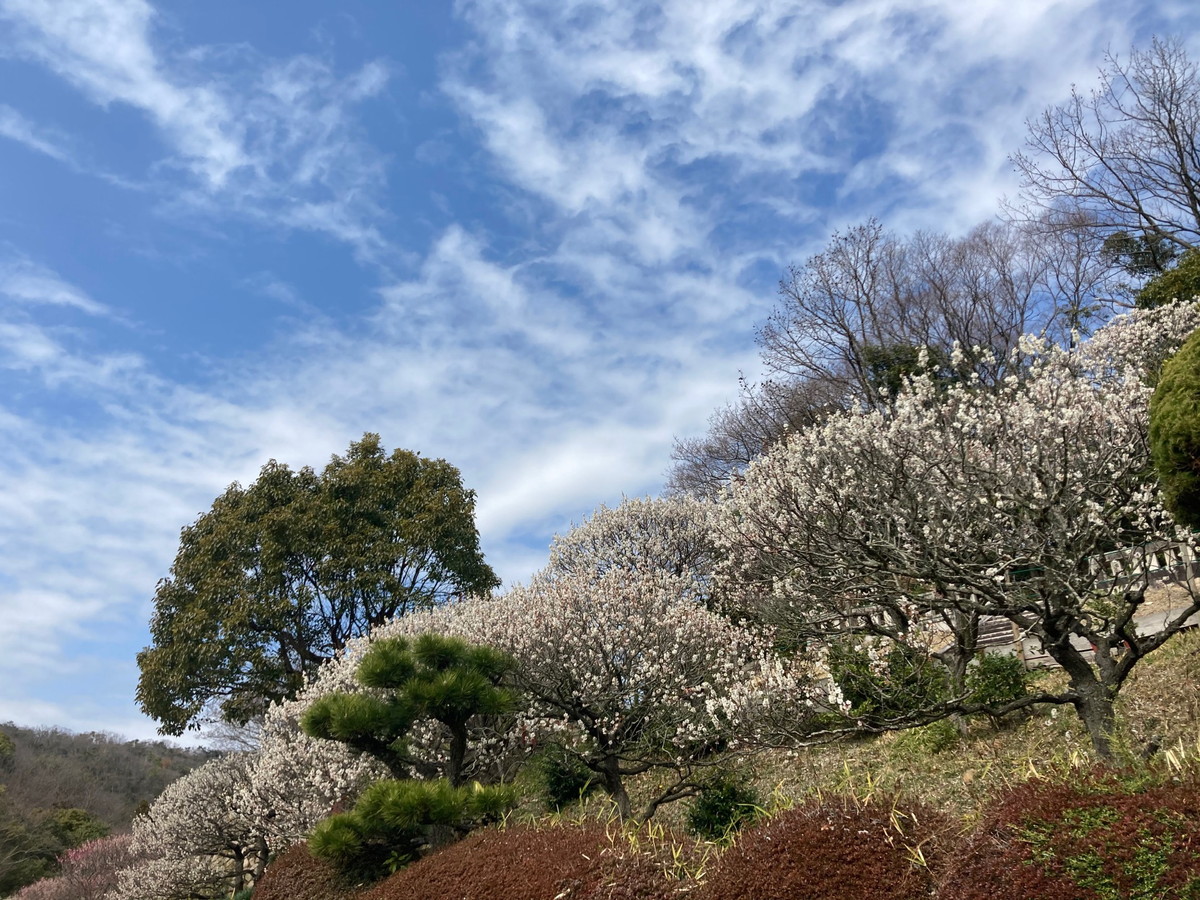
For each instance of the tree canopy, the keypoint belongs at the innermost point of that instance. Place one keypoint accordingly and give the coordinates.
(434, 677)
(902, 527)
(1175, 432)
(872, 309)
(279, 575)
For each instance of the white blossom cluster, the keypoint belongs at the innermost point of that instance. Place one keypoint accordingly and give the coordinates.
(628, 657)
(216, 826)
(963, 498)
(295, 781)
(652, 535)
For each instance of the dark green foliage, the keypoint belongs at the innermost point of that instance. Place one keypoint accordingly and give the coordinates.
(846, 848)
(565, 777)
(994, 679)
(394, 821)
(908, 682)
(1181, 282)
(76, 826)
(432, 677)
(28, 851)
(278, 576)
(1103, 837)
(1175, 432)
(1146, 254)
(722, 808)
(30, 847)
(889, 368)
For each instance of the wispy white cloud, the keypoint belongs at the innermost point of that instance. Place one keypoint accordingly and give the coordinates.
(609, 104)
(103, 48)
(23, 281)
(17, 127)
(274, 140)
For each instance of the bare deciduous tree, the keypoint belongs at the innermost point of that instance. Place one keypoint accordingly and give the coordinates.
(1125, 156)
(872, 309)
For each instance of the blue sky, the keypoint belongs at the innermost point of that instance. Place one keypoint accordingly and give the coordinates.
(533, 237)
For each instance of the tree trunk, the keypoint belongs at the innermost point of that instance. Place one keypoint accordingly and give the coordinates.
(613, 784)
(239, 871)
(1093, 698)
(458, 753)
(261, 852)
(957, 656)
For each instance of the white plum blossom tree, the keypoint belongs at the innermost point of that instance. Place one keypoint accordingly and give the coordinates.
(654, 535)
(294, 781)
(636, 675)
(198, 838)
(626, 670)
(210, 833)
(961, 500)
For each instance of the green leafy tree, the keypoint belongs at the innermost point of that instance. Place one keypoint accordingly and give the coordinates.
(433, 677)
(1175, 432)
(1144, 255)
(901, 682)
(278, 576)
(1180, 282)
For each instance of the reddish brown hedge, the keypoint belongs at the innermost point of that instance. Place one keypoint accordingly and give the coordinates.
(297, 875)
(525, 863)
(1093, 839)
(836, 849)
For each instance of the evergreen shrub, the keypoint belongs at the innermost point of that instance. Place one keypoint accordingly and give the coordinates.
(907, 682)
(723, 808)
(996, 678)
(1175, 433)
(394, 821)
(564, 777)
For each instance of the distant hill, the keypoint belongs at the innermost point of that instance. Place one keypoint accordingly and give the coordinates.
(58, 789)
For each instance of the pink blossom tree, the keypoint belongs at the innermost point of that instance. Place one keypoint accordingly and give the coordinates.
(89, 871)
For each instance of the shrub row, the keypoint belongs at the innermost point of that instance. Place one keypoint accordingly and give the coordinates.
(1097, 837)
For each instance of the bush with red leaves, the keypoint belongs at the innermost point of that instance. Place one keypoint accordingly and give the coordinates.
(834, 849)
(298, 875)
(525, 863)
(1097, 838)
